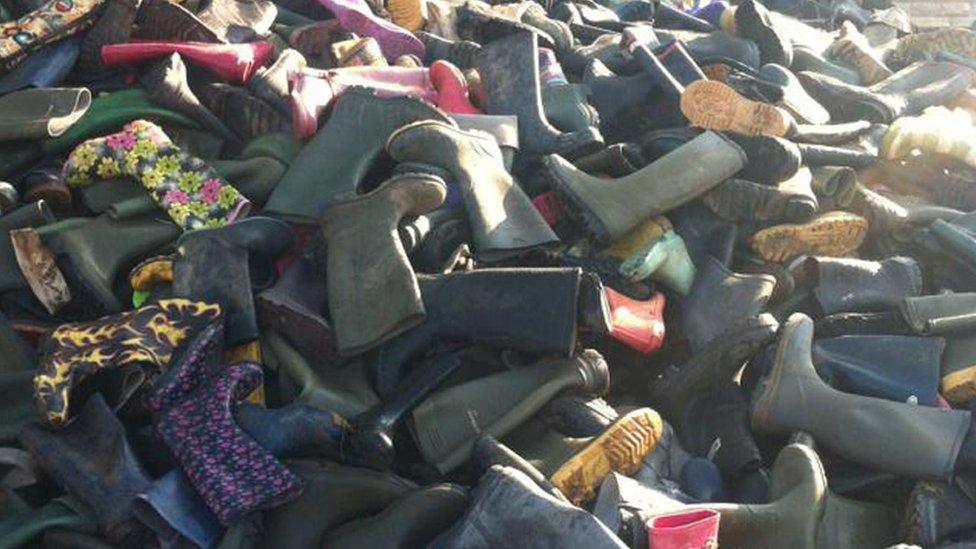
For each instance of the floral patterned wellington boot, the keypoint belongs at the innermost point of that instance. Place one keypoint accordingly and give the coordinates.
(193, 408)
(192, 193)
(54, 21)
(78, 351)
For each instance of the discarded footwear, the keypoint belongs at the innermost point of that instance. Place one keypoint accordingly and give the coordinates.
(831, 234)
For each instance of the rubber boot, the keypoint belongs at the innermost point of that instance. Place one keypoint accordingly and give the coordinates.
(294, 306)
(93, 461)
(615, 160)
(477, 22)
(159, 20)
(118, 345)
(301, 194)
(174, 511)
(49, 23)
(893, 367)
(345, 390)
(803, 512)
(166, 84)
(488, 452)
(669, 17)
(939, 314)
(611, 208)
(929, 438)
(334, 495)
(493, 306)
(512, 63)
(440, 423)
(413, 520)
(271, 83)
(371, 439)
(29, 215)
(294, 430)
(503, 220)
(357, 17)
(742, 201)
(938, 512)
(223, 265)
(45, 69)
(364, 250)
(35, 114)
(684, 529)
(192, 406)
(238, 21)
(247, 115)
(654, 250)
(859, 285)
(113, 26)
(564, 104)
(235, 63)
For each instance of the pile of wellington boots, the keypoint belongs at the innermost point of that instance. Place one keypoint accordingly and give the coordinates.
(486, 274)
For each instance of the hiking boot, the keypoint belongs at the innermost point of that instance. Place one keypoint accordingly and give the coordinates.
(608, 209)
(831, 234)
(928, 438)
(513, 63)
(503, 220)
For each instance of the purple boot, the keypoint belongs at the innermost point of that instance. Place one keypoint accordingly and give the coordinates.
(356, 17)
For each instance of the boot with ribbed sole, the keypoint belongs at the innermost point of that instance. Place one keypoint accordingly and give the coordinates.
(896, 437)
(831, 234)
(716, 106)
(609, 208)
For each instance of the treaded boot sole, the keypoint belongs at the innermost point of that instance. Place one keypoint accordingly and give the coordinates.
(959, 386)
(833, 234)
(621, 448)
(409, 14)
(918, 521)
(716, 106)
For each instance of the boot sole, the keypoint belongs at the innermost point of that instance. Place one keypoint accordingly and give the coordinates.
(959, 386)
(621, 448)
(834, 234)
(916, 524)
(716, 106)
(408, 14)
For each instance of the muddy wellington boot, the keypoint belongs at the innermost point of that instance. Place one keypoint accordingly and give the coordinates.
(412, 520)
(373, 293)
(611, 208)
(334, 495)
(92, 460)
(504, 222)
(803, 512)
(302, 193)
(492, 306)
(441, 424)
(222, 266)
(91, 253)
(792, 397)
(894, 367)
(509, 68)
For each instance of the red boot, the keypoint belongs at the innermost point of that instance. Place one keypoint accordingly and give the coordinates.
(696, 529)
(235, 63)
(637, 324)
(452, 88)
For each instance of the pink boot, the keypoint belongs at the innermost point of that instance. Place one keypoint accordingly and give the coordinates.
(233, 62)
(356, 17)
(313, 90)
(637, 324)
(452, 89)
(684, 530)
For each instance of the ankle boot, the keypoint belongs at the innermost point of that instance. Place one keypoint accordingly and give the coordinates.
(80, 353)
(92, 460)
(349, 394)
(849, 285)
(49, 23)
(367, 266)
(412, 520)
(446, 438)
(719, 299)
(608, 208)
(223, 265)
(356, 16)
(174, 511)
(909, 91)
(92, 252)
(301, 195)
(371, 439)
(503, 220)
(455, 312)
(492, 520)
(803, 512)
(232, 62)
(192, 406)
(334, 495)
(910, 371)
(294, 430)
(29, 215)
(512, 63)
(166, 85)
(928, 438)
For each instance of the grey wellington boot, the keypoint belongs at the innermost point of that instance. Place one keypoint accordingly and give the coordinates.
(504, 221)
(443, 425)
(509, 68)
(334, 494)
(803, 513)
(847, 284)
(612, 207)
(373, 293)
(904, 439)
(413, 520)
